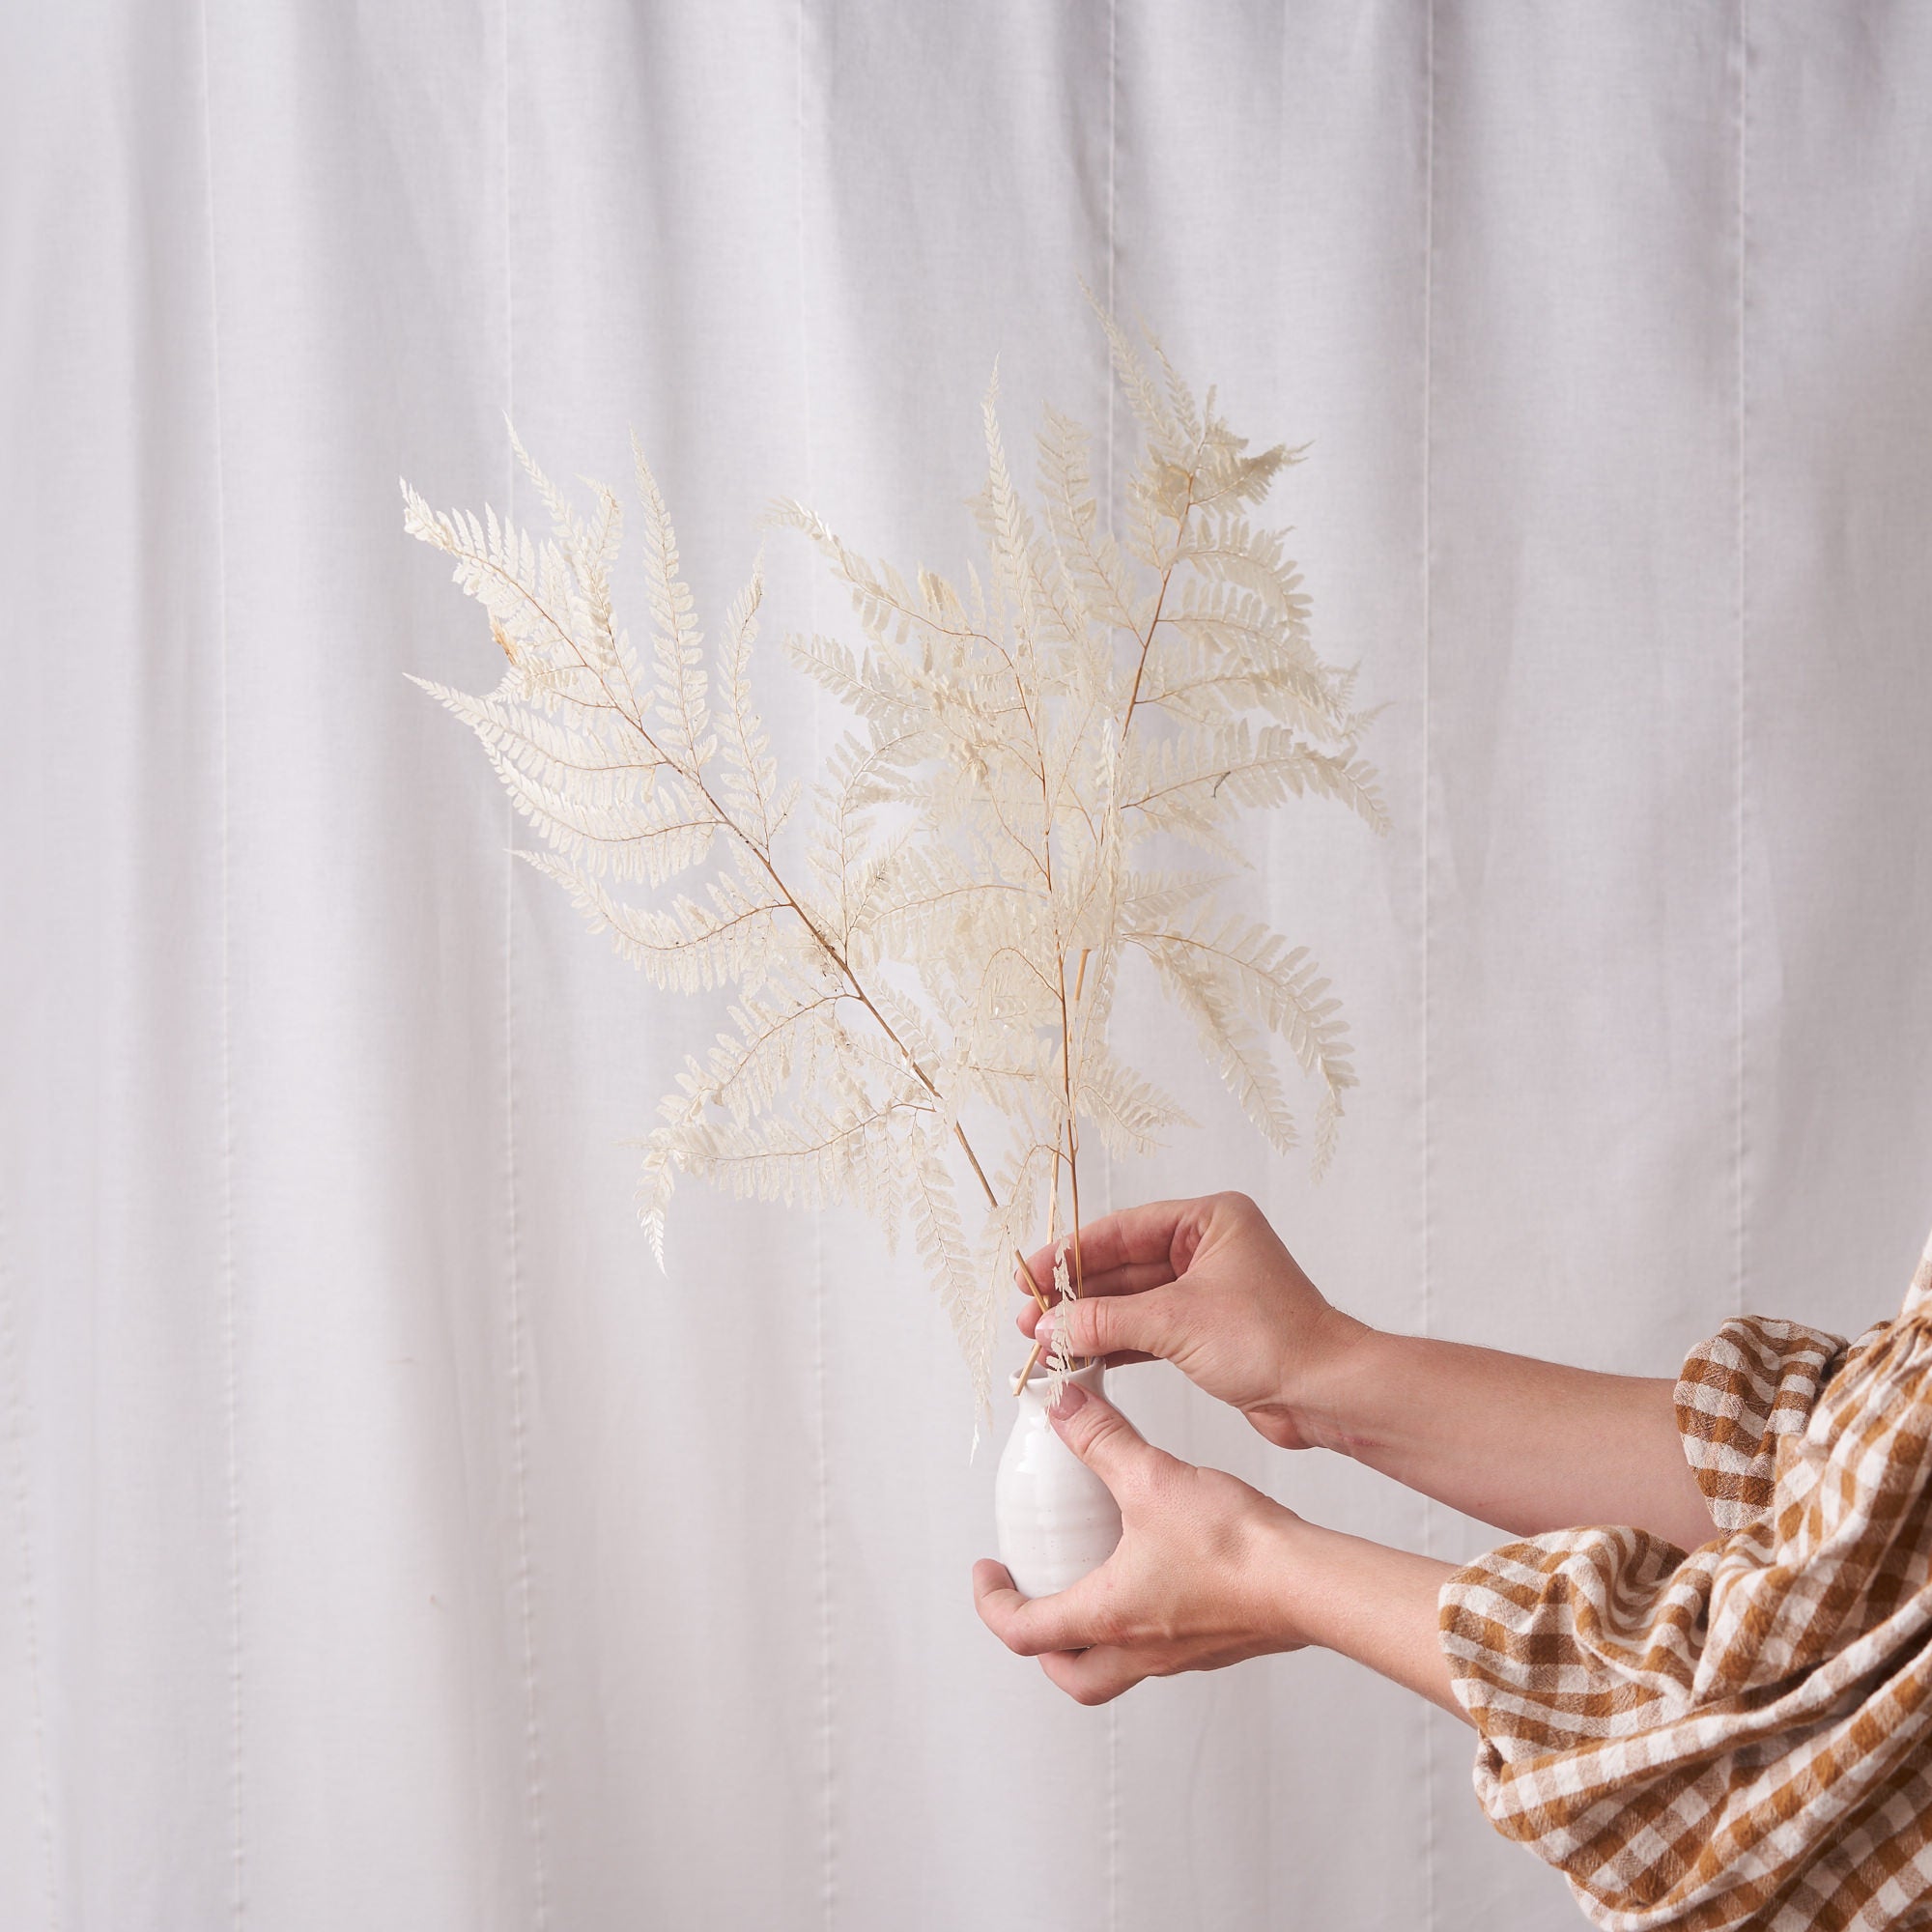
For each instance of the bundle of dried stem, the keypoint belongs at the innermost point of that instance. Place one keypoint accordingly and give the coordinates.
(901, 949)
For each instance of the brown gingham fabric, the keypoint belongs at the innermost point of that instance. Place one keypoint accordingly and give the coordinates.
(1741, 1736)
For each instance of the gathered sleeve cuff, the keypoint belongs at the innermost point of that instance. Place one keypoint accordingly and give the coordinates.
(1754, 1382)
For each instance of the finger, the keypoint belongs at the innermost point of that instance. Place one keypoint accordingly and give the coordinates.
(1096, 1676)
(1114, 1340)
(1117, 1328)
(1120, 1358)
(1029, 1624)
(1134, 1278)
(1142, 1233)
(1106, 1441)
(987, 1577)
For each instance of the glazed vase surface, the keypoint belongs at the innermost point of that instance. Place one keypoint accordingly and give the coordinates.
(1055, 1517)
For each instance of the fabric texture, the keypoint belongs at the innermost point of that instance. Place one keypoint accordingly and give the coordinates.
(385, 1542)
(1737, 1736)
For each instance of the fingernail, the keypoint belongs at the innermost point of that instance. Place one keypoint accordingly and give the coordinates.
(1070, 1399)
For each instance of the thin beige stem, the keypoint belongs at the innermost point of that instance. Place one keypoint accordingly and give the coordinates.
(1025, 1375)
(1053, 1197)
(1079, 981)
(1073, 1126)
(1166, 578)
(1033, 1284)
(1073, 1179)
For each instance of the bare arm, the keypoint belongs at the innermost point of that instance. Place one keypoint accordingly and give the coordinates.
(1526, 1445)
(1365, 1600)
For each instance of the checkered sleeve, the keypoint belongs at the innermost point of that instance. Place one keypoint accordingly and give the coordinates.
(1752, 1383)
(1740, 1737)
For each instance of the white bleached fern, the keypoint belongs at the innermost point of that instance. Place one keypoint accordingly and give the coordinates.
(923, 961)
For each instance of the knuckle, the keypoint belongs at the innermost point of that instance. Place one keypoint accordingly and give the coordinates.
(1093, 1325)
(1128, 1481)
(1109, 1622)
(1100, 1429)
(1162, 1316)
(1119, 1325)
(1159, 1479)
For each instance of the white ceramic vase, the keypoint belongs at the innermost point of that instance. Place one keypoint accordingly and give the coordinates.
(1055, 1519)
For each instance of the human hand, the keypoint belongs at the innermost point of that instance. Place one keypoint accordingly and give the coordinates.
(1207, 1286)
(1197, 1580)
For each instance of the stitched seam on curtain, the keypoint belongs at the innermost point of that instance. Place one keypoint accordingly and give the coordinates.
(827, 1719)
(1429, 1714)
(12, 1387)
(533, 1742)
(1113, 155)
(1744, 535)
(231, 1394)
(1113, 173)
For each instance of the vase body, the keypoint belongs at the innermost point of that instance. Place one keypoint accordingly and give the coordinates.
(1055, 1519)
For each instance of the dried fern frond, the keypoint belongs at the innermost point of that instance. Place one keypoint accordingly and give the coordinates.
(921, 948)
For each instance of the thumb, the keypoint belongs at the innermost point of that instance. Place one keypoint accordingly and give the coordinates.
(1112, 1326)
(1103, 1438)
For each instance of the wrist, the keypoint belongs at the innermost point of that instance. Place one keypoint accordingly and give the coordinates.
(1367, 1601)
(1278, 1569)
(1322, 1387)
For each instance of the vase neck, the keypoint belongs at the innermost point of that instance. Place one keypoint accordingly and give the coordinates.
(1092, 1378)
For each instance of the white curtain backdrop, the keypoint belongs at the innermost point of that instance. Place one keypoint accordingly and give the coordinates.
(384, 1543)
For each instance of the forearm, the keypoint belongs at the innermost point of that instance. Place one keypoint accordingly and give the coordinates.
(1367, 1601)
(1526, 1445)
